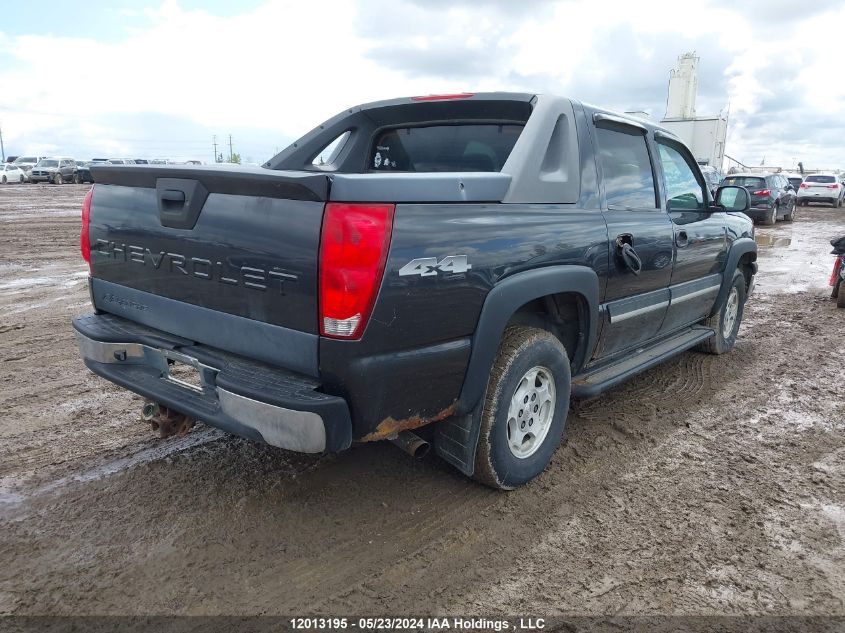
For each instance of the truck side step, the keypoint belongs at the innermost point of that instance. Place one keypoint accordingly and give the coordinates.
(594, 382)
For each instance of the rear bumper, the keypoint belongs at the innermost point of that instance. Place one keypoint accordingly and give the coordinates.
(759, 212)
(237, 395)
(818, 198)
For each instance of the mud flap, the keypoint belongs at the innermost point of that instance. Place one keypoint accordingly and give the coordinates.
(456, 440)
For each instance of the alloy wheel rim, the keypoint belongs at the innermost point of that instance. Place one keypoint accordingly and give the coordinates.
(731, 312)
(530, 413)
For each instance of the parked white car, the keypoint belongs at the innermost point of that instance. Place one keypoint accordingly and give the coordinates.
(821, 188)
(9, 173)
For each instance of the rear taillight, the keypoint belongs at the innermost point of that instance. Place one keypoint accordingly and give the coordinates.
(833, 186)
(353, 251)
(804, 185)
(84, 238)
(762, 192)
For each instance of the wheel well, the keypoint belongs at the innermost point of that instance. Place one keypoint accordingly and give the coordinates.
(561, 314)
(744, 265)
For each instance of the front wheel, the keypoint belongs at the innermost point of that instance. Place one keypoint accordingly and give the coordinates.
(726, 321)
(58, 179)
(524, 408)
(76, 179)
(21, 179)
(3, 180)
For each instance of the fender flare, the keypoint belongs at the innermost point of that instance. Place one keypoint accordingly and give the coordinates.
(505, 299)
(740, 247)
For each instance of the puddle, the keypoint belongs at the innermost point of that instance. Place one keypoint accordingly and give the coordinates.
(794, 257)
(772, 241)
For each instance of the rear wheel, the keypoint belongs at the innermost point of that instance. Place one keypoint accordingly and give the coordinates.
(790, 215)
(772, 218)
(76, 179)
(726, 321)
(840, 300)
(524, 408)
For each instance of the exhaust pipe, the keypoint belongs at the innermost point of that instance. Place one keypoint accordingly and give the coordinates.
(166, 421)
(412, 444)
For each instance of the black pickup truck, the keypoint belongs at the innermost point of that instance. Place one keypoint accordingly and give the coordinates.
(466, 261)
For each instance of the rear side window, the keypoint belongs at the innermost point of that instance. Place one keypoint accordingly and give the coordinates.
(824, 179)
(443, 148)
(628, 176)
(749, 182)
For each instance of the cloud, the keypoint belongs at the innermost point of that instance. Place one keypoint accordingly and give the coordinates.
(269, 73)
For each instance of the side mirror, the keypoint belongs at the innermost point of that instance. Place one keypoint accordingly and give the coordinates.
(733, 198)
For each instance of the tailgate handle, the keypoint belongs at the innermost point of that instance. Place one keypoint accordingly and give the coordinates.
(173, 195)
(180, 201)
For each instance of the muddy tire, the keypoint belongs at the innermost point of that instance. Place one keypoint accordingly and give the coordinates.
(76, 179)
(790, 216)
(58, 179)
(524, 408)
(772, 218)
(727, 320)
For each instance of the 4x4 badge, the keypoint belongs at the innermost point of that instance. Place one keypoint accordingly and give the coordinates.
(427, 266)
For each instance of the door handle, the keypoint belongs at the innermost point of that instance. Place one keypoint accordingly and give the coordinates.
(681, 239)
(631, 259)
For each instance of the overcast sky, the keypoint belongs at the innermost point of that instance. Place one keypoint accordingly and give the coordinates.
(159, 78)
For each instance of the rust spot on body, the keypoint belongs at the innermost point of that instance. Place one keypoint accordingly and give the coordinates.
(391, 426)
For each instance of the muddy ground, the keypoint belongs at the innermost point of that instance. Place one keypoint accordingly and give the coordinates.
(708, 485)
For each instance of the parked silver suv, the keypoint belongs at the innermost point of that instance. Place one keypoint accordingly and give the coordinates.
(56, 170)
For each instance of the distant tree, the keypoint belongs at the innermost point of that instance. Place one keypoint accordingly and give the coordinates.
(235, 158)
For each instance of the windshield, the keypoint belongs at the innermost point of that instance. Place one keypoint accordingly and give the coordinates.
(25, 159)
(749, 182)
(440, 148)
(48, 163)
(825, 179)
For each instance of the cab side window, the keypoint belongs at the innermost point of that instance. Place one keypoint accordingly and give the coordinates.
(684, 192)
(627, 173)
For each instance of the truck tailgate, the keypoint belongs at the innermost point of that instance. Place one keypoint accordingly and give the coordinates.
(224, 257)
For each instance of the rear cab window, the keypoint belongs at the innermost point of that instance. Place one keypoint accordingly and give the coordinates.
(457, 147)
(821, 179)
